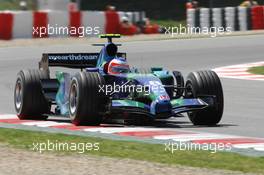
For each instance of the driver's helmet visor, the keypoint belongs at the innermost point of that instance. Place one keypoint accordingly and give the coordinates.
(116, 68)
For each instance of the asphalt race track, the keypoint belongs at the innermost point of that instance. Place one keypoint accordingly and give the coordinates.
(244, 107)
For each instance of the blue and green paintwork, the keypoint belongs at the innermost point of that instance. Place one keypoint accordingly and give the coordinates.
(155, 102)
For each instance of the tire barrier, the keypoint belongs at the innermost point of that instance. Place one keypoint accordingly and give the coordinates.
(151, 29)
(93, 20)
(232, 18)
(205, 18)
(257, 17)
(236, 18)
(6, 26)
(40, 20)
(133, 17)
(22, 30)
(217, 17)
(191, 17)
(43, 24)
(112, 22)
(243, 19)
(57, 18)
(76, 22)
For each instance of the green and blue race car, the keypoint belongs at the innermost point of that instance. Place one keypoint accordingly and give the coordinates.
(107, 88)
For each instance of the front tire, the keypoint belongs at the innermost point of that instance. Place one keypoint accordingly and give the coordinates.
(205, 83)
(85, 99)
(29, 100)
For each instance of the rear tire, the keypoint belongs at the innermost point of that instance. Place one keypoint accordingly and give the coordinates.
(29, 100)
(85, 100)
(205, 83)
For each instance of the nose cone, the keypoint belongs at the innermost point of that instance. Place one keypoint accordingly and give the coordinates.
(163, 106)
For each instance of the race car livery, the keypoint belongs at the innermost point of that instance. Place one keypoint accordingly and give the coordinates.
(107, 89)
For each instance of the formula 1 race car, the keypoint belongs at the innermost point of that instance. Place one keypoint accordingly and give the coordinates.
(107, 88)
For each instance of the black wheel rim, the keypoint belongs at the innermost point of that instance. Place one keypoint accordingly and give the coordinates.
(18, 94)
(73, 101)
(189, 91)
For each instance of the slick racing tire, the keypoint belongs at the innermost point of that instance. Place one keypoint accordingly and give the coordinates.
(85, 98)
(200, 84)
(29, 100)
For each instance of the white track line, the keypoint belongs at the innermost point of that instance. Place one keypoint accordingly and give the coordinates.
(256, 146)
(44, 123)
(112, 130)
(194, 137)
(239, 71)
(8, 116)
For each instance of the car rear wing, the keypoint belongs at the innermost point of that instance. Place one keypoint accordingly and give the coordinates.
(71, 60)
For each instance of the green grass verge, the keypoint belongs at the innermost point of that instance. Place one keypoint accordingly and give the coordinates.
(169, 23)
(135, 150)
(257, 70)
(14, 4)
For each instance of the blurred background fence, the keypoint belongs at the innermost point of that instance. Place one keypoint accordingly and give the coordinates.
(156, 9)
